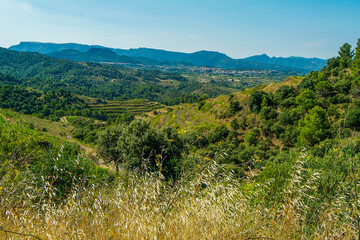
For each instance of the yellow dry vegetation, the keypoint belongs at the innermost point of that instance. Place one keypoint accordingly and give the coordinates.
(290, 81)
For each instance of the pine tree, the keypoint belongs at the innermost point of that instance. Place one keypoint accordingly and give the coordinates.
(346, 55)
(356, 62)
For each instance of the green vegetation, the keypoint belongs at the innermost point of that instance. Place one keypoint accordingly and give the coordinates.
(295, 114)
(238, 80)
(278, 161)
(129, 107)
(47, 187)
(44, 105)
(111, 82)
(138, 146)
(30, 154)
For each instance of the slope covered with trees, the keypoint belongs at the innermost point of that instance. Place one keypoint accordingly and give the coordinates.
(301, 112)
(278, 161)
(101, 80)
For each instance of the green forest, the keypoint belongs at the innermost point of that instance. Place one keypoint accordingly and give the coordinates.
(105, 81)
(275, 161)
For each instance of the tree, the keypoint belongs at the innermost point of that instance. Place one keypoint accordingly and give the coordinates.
(253, 136)
(235, 124)
(284, 92)
(220, 133)
(289, 117)
(267, 113)
(138, 145)
(257, 99)
(306, 99)
(310, 81)
(356, 62)
(352, 119)
(346, 55)
(331, 63)
(235, 107)
(313, 128)
(324, 88)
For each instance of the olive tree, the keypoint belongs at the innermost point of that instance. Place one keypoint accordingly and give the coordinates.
(138, 145)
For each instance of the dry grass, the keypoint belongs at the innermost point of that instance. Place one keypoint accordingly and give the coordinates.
(58, 129)
(207, 204)
(290, 81)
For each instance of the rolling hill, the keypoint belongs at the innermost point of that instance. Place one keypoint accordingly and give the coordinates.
(93, 55)
(105, 81)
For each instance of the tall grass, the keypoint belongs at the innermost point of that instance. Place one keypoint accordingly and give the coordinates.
(53, 195)
(208, 203)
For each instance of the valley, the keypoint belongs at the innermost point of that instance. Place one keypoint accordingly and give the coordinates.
(120, 151)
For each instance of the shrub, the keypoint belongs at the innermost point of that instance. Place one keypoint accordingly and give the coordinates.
(256, 99)
(352, 118)
(140, 146)
(252, 137)
(220, 133)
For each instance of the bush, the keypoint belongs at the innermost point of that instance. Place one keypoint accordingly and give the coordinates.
(140, 146)
(283, 93)
(256, 99)
(340, 98)
(352, 118)
(62, 171)
(220, 133)
(252, 137)
(192, 138)
(306, 99)
(310, 81)
(313, 128)
(268, 113)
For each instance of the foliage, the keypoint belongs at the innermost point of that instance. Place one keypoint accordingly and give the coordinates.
(324, 88)
(283, 93)
(253, 136)
(256, 100)
(306, 99)
(138, 145)
(49, 105)
(53, 170)
(278, 168)
(111, 82)
(352, 118)
(220, 133)
(310, 81)
(346, 55)
(313, 128)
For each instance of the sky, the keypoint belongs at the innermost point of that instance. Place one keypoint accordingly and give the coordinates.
(238, 28)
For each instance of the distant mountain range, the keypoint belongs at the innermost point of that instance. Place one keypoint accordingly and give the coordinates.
(155, 57)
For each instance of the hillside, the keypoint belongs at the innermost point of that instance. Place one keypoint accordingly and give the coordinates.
(105, 81)
(61, 103)
(208, 114)
(271, 119)
(201, 58)
(295, 62)
(274, 161)
(93, 55)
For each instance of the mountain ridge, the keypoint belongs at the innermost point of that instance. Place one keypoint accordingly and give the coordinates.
(200, 58)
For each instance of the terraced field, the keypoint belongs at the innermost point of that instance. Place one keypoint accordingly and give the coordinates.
(130, 107)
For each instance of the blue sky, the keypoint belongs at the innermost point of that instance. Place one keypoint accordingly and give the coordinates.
(239, 28)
